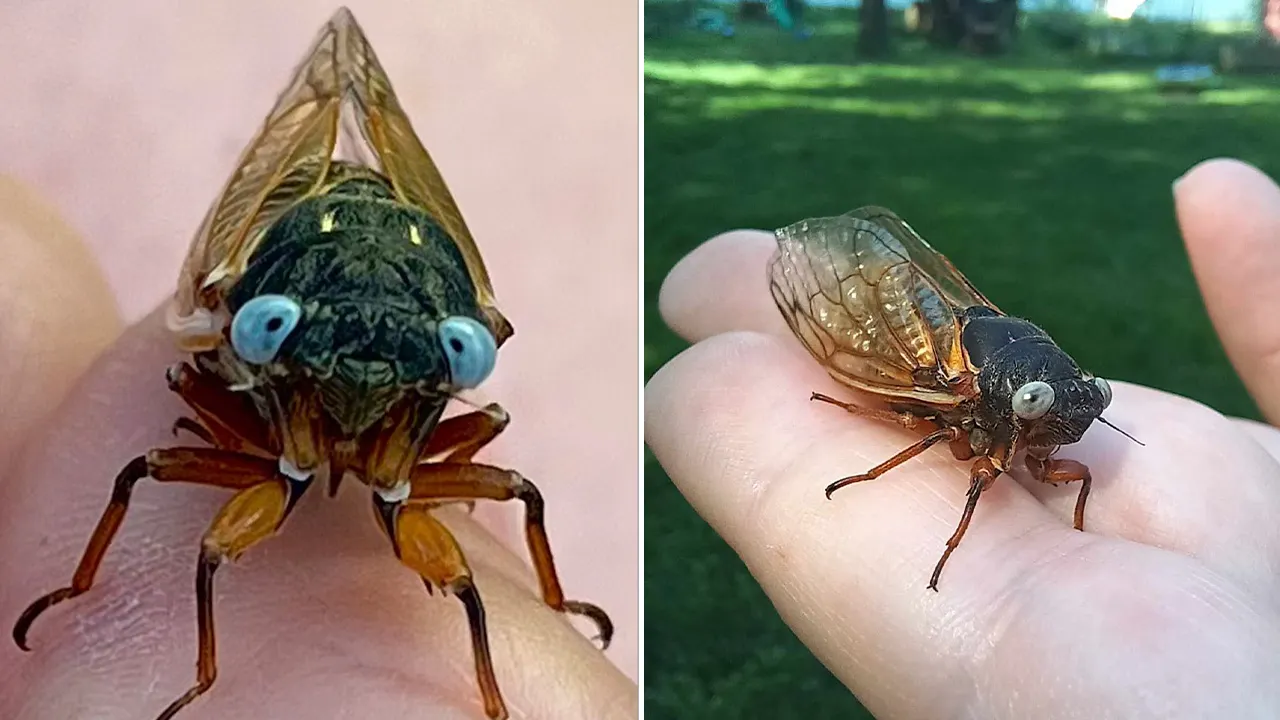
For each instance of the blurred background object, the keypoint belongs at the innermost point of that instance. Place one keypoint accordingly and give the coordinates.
(1034, 143)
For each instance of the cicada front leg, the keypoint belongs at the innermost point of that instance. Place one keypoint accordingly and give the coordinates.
(1050, 470)
(459, 438)
(224, 419)
(458, 481)
(428, 548)
(251, 516)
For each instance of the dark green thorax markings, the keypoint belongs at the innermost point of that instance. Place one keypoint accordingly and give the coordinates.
(374, 277)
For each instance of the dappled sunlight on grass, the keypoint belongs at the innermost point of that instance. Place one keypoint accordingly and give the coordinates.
(718, 108)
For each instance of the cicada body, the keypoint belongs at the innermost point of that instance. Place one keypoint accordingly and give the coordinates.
(334, 303)
(890, 317)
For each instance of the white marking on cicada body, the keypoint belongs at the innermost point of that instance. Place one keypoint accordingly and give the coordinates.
(397, 493)
(292, 471)
(198, 329)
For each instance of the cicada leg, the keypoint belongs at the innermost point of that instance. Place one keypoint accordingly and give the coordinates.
(224, 418)
(460, 437)
(201, 466)
(1058, 471)
(428, 548)
(251, 516)
(949, 434)
(454, 481)
(980, 478)
(905, 419)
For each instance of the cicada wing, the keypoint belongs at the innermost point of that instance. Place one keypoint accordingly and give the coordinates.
(406, 162)
(286, 161)
(951, 282)
(863, 304)
(339, 91)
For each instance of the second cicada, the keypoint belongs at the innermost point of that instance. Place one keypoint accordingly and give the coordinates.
(888, 316)
(334, 303)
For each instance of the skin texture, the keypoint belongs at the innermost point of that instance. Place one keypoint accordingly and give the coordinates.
(538, 147)
(1165, 607)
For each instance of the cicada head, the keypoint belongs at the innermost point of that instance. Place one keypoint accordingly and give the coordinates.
(1036, 392)
(366, 300)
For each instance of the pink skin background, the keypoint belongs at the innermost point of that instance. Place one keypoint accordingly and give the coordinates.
(130, 116)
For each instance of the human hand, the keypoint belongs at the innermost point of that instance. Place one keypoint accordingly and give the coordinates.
(1163, 607)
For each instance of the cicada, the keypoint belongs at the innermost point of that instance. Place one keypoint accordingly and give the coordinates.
(333, 303)
(890, 317)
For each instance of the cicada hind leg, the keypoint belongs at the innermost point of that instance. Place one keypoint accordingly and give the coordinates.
(241, 462)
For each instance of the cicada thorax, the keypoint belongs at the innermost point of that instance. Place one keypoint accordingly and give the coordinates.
(373, 278)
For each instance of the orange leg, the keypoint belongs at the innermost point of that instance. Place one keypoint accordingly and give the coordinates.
(952, 435)
(442, 481)
(224, 418)
(905, 419)
(251, 516)
(459, 438)
(429, 549)
(1060, 471)
(983, 474)
(202, 466)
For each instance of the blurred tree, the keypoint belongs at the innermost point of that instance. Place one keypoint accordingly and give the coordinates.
(974, 24)
(873, 31)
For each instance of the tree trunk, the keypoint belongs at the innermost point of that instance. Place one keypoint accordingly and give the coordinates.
(873, 35)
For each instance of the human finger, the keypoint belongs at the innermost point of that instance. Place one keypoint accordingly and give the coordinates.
(1229, 213)
(721, 287)
(56, 311)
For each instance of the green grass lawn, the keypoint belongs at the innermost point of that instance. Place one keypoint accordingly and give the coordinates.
(1046, 180)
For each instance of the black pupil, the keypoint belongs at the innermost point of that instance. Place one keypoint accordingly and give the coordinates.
(274, 324)
(456, 344)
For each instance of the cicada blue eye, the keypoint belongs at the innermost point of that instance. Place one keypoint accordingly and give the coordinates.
(261, 325)
(470, 350)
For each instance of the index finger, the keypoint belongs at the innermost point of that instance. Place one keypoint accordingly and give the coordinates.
(1229, 213)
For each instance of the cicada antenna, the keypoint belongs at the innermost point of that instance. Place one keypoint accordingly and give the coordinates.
(1113, 427)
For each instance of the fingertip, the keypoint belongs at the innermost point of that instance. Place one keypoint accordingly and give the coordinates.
(1220, 195)
(721, 286)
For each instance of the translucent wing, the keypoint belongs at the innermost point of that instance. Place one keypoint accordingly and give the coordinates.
(873, 303)
(404, 160)
(338, 86)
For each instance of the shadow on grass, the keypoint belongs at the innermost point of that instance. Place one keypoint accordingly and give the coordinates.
(1049, 187)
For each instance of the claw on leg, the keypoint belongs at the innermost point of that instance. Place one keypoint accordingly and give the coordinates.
(457, 481)
(949, 434)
